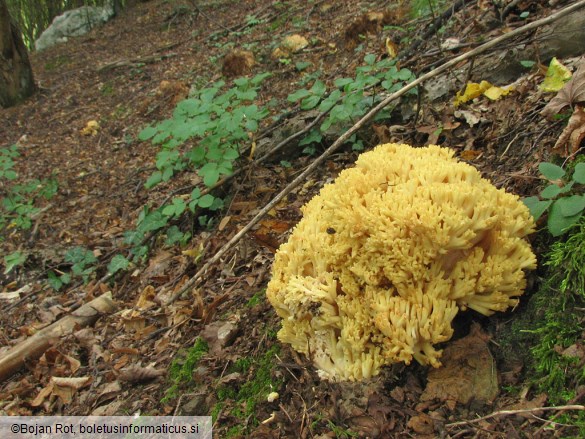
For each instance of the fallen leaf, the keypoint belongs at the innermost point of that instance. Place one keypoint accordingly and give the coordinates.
(556, 76)
(474, 90)
(144, 301)
(421, 424)
(494, 93)
(572, 136)
(61, 387)
(572, 93)
(470, 154)
(391, 48)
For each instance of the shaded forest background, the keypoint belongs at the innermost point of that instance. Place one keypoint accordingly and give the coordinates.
(33, 17)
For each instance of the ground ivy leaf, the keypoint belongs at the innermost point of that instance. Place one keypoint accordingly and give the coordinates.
(118, 262)
(558, 223)
(536, 207)
(550, 191)
(206, 201)
(551, 171)
(572, 205)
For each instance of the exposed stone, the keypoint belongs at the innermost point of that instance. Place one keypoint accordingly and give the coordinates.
(73, 23)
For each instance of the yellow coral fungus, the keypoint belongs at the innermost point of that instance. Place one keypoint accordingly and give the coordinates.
(386, 255)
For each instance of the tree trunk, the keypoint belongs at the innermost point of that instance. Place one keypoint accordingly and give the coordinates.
(16, 77)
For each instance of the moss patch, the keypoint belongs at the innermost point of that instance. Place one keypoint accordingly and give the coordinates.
(181, 370)
(242, 401)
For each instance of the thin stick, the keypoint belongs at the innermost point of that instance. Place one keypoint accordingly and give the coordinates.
(516, 412)
(359, 124)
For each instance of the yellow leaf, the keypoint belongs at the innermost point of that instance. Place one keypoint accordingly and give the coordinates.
(195, 253)
(556, 76)
(494, 93)
(391, 48)
(472, 91)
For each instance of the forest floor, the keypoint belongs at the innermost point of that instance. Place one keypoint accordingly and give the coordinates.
(149, 356)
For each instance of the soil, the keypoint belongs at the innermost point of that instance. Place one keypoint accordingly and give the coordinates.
(130, 73)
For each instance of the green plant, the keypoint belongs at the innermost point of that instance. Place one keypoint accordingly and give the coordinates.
(340, 432)
(551, 326)
(118, 262)
(12, 260)
(82, 263)
(252, 20)
(17, 206)
(216, 125)
(423, 8)
(181, 370)
(252, 391)
(351, 98)
(559, 198)
(7, 163)
(256, 298)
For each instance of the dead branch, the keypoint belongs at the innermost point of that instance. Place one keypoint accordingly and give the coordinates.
(35, 346)
(359, 124)
(516, 412)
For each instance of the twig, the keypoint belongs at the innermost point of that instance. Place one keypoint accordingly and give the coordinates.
(359, 124)
(516, 412)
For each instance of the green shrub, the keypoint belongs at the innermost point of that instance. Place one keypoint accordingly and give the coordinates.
(561, 198)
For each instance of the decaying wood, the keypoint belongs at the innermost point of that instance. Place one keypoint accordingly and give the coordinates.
(564, 38)
(193, 281)
(33, 347)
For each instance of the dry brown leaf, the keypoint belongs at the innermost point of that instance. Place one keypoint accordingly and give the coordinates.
(421, 424)
(63, 388)
(66, 388)
(572, 93)
(570, 139)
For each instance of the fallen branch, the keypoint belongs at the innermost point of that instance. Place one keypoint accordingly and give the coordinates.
(35, 346)
(359, 124)
(516, 412)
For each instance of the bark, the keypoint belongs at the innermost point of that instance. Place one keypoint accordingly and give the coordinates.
(35, 346)
(16, 77)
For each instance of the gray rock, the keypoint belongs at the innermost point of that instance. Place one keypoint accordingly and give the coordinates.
(72, 23)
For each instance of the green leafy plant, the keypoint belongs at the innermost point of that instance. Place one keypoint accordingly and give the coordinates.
(217, 124)
(118, 263)
(351, 98)
(560, 198)
(82, 263)
(7, 163)
(551, 326)
(12, 260)
(17, 206)
(204, 135)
